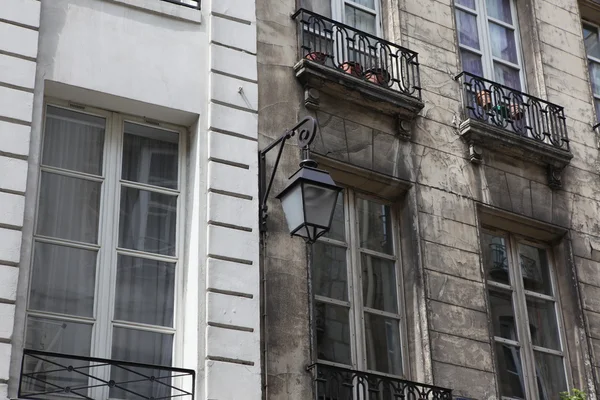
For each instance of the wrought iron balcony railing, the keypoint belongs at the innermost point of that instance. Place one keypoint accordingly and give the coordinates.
(358, 54)
(47, 375)
(335, 383)
(522, 114)
(186, 3)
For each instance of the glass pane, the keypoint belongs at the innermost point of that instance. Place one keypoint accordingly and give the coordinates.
(148, 221)
(63, 280)
(507, 76)
(56, 336)
(146, 348)
(495, 258)
(333, 333)
(510, 371)
(379, 283)
(503, 316)
(367, 3)
(597, 105)
(375, 226)
(550, 374)
(145, 291)
(543, 324)
(73, 141)
(499, 9)
(594, 69)
(467, 29)
(384, 352)
(361, 20)
(503, 43)
(535, 269)
(69, 208)
(590, 38)
(338, 223)
(471, 62)
(467, 3)
(150, 155)
(330, 277)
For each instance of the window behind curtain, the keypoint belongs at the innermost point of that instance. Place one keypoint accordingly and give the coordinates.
(592, 48)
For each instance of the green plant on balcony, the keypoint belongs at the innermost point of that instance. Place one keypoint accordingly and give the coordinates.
(574, 394)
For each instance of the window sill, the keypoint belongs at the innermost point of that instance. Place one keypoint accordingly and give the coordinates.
(171, 10)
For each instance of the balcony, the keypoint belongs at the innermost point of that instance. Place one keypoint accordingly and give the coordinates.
(513, 123)
(335, 383)
(47, 375)
(356, 66)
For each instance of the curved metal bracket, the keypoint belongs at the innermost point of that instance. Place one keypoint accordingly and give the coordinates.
(306, 130)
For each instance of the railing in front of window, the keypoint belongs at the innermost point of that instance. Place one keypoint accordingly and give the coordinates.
(358, 54)
(336, 383)
(507, 108)
(46, 375)
(186, 3)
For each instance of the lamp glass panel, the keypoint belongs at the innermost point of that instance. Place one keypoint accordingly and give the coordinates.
(293, 209)
(319, 203)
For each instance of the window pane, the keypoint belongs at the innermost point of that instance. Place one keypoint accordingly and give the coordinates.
(73, 141)
(384, 352)
(57, 337)
(467, 3)
(471, 62)
(145, 291)
(495, 258)
(148, 221)
(467, 29)
(379, 283)
(330, 277)
(510, 371)
(499, 9)
(503, 43)
(597, 105)
(69, 208)
(146, 348)
(507, 76)
(338, 223)
(503, 316)
(375, 226)
(590, 38)
(367, 3)
(543, 324)
(535, 269)
(333, 333)
(63, 280)
(361, 20)
(550, 374)
(595, 77)
(150, 155)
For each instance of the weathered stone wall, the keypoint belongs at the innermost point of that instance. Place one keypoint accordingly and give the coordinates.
(443, 205)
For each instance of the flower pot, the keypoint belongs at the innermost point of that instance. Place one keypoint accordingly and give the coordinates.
(516, 112)
(484, 99)
(379, 76)
(352, 67)
(317, 57)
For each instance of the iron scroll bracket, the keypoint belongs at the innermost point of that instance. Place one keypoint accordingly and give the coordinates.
(306, 130)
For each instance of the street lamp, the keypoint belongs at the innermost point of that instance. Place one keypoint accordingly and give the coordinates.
(310, 197)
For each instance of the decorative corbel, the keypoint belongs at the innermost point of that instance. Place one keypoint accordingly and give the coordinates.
(555, 177)
(475, 153)
(312, 98)
(404, 128)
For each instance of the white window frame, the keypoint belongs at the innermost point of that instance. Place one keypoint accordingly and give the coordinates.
(354, 277)
(519, 302)
(338, 12)
(587, 24)
(483, 31)
(108, 235)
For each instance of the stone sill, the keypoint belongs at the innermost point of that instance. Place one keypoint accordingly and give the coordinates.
(478, 135)
(160, 7)
(344, 86)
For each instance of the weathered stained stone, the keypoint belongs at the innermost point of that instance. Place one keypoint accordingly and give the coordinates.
(445, 171)
(447, 205)
(434, 134)
(452, 261)
(562, 211)
(387, 152)
(560, 81)
(465, 382)
(448, 232)
(458, 321)
(333, 137)
(457, 291)
(596, 351)
(495, 187)
(593, 323)
(440, 82)
(520, 194)
(584, 220)
(360, 144)
(422, 29)
(557, 16)
(583, 183)
(588, 271)
(460, 351)
(590, 297)
(541, 201)
(432, 10)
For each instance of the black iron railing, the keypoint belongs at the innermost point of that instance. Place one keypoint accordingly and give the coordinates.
(186, 3)
(47, 375)
(507, 108)
(335, 383)
(357, 53)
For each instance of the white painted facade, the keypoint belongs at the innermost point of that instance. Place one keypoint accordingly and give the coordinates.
(167, 63)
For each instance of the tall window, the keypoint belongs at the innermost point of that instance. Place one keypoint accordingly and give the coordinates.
(528, 335)
(105, 249)
(489, 40)
(592, 48)
(360, 14)
(357, 288)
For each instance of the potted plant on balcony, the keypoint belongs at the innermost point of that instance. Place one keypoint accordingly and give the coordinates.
(317, 56)
(379, 76)
(574, 394)
(352, 67)
(512, 111)
(484, 99)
